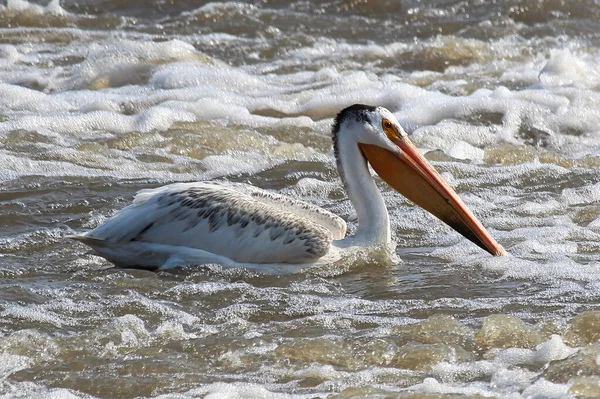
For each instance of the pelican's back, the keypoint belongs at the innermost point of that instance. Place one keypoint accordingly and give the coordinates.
(236, 221)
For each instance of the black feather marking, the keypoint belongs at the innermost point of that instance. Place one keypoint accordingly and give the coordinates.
(232, 218)
(145, 229)
(358, 112)
(191, 226)
(214, 221)
(276, 233)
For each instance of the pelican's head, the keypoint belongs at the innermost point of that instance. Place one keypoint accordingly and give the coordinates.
(386, 147)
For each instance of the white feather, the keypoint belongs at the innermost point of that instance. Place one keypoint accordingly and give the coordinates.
(215, 222)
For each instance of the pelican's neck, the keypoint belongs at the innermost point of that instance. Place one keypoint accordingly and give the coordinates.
(373, 219)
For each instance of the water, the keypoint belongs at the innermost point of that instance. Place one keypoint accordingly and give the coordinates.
(101, 99)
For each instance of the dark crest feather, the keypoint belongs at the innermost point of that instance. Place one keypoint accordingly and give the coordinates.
(358, 112)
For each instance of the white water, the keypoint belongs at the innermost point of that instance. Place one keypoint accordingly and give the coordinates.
(88, 115)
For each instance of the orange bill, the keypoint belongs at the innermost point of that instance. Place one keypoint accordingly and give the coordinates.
(409, 173)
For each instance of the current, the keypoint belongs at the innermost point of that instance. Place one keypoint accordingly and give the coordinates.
(99, 99)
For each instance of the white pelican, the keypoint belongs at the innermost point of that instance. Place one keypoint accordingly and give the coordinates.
(238, 225)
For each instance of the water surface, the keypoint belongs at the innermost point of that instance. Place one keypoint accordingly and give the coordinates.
(99, 99)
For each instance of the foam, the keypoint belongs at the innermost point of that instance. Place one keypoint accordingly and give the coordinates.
(546, 389)
(126, 62)
(23, 6)
(124, 104)
(563, 68)
(223, 9)
(507, 371)
(132, 330)
(10, 364)
(432, 386)
(153, 119)
(17, 98)
(553, 349)
(582, 195)
(29, 389)
(227, 79)
(462, 150)
(37, 314)
(185, 290)
(156, 86)
(550, 271)
(163, 310)
(235, 390)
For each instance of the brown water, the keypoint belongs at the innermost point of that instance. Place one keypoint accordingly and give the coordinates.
(99, 99)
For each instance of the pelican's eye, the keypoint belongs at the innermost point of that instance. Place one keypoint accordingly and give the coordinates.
(390, 130)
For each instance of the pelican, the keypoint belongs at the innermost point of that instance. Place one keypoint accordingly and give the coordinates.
(238, 225)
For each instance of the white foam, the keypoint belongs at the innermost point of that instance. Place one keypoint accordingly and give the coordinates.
(10, 364)
(462, 150)
(18, 98)
(224, 8)
(432, 386)
(553, 349)
(125, 62)
(550, 271)
(38, 315)
(580, 196)
(512, 380)
(565, 69)
(546, 389)
(509, 371)
(132, 329)
(53, 7)
(220, 78)
(34, 390)
(236, 390)
(9, 55)
(153, 119)
(163, 310)
(177, 84)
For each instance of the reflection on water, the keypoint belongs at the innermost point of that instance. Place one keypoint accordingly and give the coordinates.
(101, 99)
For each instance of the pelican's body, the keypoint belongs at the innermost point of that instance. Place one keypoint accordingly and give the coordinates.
(235, 224)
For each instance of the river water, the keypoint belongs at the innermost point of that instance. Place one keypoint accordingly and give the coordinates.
(99, 99)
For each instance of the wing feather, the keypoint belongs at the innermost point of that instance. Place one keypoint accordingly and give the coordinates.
(238, 221)
(331, 221)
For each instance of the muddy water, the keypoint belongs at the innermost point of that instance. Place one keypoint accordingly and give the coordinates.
(101, 99)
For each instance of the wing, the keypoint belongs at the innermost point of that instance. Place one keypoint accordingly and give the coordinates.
(335, 224)
(238, 221)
